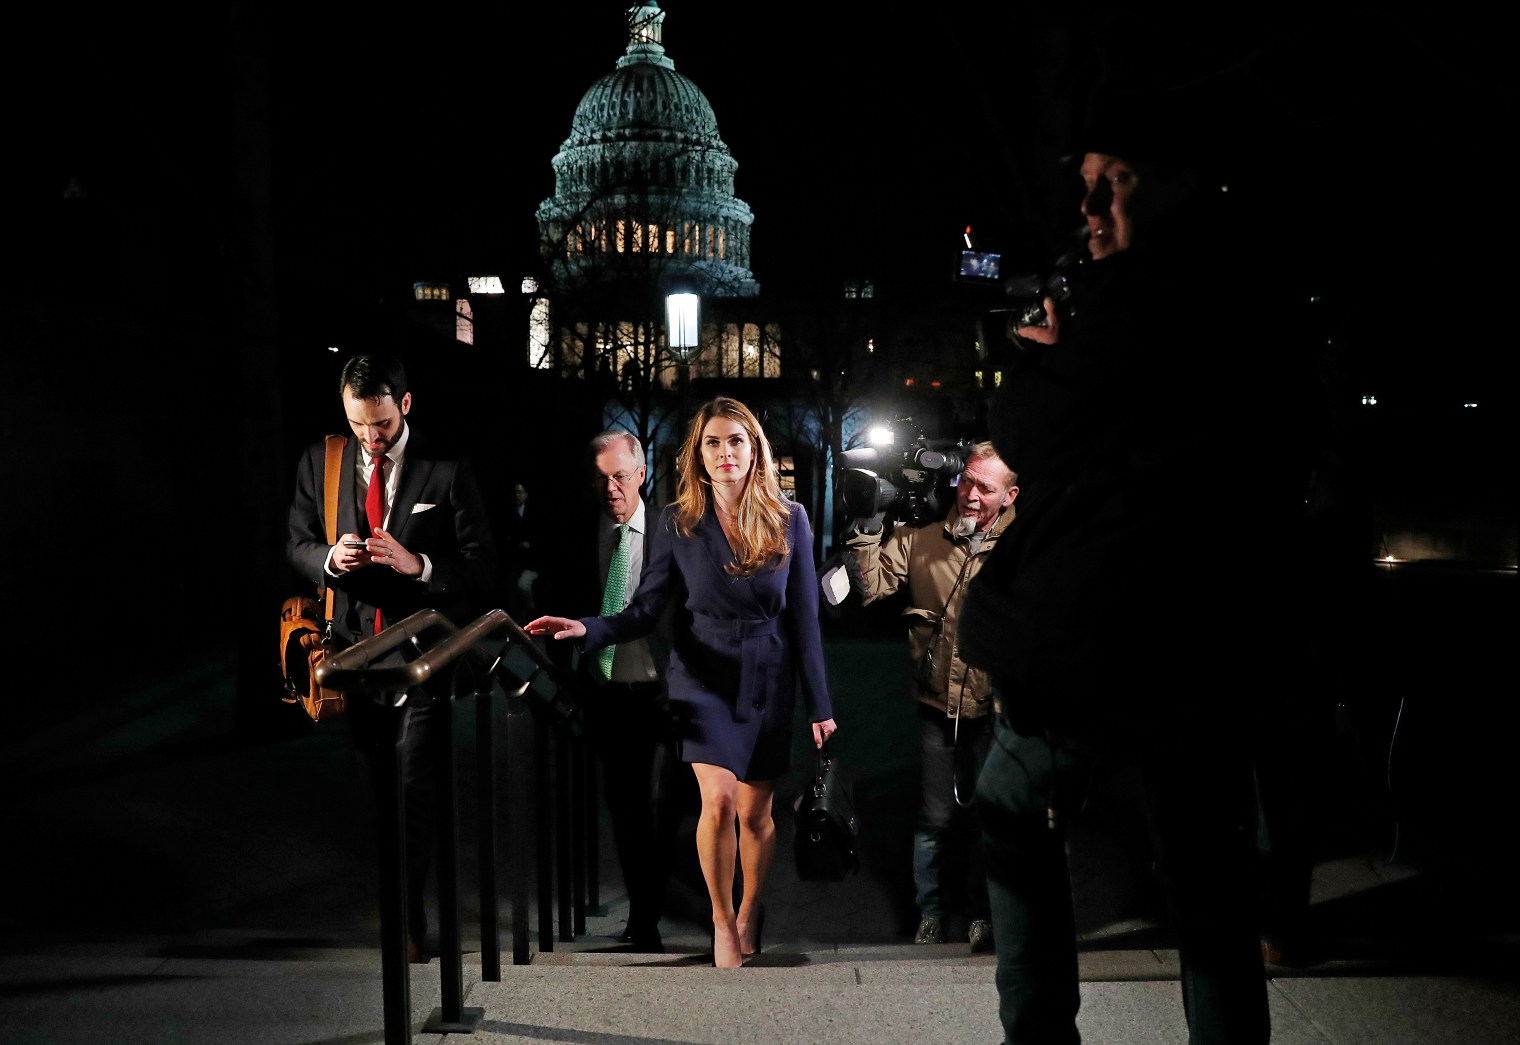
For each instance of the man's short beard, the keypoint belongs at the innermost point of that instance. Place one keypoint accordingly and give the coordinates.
(964, 526)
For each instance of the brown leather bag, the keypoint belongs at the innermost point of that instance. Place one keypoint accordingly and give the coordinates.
(305, 620)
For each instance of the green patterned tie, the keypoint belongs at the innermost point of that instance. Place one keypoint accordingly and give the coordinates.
(612, 595)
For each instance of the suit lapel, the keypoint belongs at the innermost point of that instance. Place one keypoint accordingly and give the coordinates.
(415, 471)
(718, 549)
(714, 541)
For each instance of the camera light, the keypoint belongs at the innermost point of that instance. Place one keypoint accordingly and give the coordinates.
(880, 435)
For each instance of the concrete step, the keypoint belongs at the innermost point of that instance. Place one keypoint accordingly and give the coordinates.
(842, 996)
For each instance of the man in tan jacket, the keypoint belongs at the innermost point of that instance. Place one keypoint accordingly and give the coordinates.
(954, 700)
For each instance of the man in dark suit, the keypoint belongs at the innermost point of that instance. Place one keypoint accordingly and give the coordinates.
(525, 535)
(626, 708)
(415, 535)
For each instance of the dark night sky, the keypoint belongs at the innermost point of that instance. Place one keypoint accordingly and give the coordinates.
(403, 144)
(870, 139)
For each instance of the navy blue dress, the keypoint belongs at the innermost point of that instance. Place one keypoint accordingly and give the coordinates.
(742, 646)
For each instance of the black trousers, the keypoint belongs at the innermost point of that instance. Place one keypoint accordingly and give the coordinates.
(630, 729)
(407, 735)
(1200, 797)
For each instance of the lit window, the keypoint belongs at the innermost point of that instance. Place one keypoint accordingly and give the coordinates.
(1369, 400)
(529, 285)
(538, 336)
(742, 350)
(787, 474)
(464, 322)
(485, 285)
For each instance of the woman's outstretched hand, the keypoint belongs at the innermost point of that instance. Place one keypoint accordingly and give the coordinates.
(823, 730)
(559, 627)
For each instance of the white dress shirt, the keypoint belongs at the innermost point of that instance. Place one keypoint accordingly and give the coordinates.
(395, 457)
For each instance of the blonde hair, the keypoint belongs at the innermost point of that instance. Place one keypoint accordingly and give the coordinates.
(985, 451)
(764, 514)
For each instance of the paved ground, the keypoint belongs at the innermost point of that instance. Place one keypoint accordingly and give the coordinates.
(172, 881)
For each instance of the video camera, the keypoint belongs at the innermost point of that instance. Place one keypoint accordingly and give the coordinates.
(913, 483)
(1030, 289)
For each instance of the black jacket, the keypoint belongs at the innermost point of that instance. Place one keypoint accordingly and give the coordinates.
(438, 512)
(1158, 475)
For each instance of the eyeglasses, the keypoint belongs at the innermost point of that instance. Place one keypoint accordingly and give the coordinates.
(621, 478)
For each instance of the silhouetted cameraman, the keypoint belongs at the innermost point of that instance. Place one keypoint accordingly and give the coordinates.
(1127, 610)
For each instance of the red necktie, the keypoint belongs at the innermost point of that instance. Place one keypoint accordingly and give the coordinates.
(374, 498)
(374, 507)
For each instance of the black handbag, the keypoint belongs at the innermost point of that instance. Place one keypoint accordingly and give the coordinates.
(826, 825)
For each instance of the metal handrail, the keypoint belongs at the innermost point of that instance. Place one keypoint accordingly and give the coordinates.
(354, 670)
(349, 669)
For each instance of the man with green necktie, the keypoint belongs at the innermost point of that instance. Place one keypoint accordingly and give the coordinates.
(627, 713)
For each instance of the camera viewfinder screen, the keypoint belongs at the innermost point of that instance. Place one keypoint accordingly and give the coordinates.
(980, 264)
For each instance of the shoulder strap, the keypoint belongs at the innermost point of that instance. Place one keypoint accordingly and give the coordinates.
(335, 445)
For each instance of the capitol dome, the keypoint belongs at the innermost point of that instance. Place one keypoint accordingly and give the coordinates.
(644, 100)
(644, 172)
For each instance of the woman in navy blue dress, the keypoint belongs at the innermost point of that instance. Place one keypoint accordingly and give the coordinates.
(737, 557)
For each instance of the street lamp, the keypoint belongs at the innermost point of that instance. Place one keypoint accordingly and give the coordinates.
(682, 332)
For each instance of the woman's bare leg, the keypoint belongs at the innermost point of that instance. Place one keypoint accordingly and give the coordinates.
(716, 848)
(757, 845)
